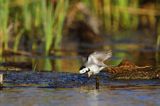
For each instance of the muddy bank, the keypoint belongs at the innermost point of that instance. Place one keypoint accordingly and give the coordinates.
(51, 79)
(68, 80)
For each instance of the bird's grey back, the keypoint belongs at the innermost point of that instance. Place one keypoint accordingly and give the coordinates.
(98, 58)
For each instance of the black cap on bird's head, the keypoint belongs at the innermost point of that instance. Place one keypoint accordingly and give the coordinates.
(82, 67)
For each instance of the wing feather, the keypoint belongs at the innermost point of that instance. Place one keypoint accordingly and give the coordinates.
(98, 57)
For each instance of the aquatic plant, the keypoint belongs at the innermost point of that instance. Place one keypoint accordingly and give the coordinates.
(48, 20)
(4, 18)
(157, 56)
(60, 12)
(27, 15)
(134, 19)
(17, 40)
(32, 20)
(52, 21)
(125, 17)
(37, 14)
(158, 50)
(44, 19)
(107, 15)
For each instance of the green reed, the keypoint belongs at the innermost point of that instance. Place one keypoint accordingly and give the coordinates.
(135, 18)
(125, 17)
(48, 20)
(27, 15)
(116, 16)
(31, 11)
(37, 14)
(17, 40)
(4, 18)
(88, 3)
(114, 13)
(53, 23)
(32, 15)
(60, 14)
(44, 16)
(53, 20)
(107, 15)
(157, 56)
(158, 45)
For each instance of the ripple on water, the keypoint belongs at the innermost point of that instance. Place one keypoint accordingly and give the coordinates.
(110, 96)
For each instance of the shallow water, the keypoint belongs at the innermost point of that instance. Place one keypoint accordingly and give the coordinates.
(106, 96)
(137, 49)
(114, 93)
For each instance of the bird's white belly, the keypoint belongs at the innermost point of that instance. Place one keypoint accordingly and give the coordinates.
(95, 69)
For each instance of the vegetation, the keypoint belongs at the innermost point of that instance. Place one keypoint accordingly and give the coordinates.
(43, 20)
(4, 28)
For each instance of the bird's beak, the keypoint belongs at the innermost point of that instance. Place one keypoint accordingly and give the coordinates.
(89, 74)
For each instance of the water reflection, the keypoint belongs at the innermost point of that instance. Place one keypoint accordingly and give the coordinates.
(81, 96)
(92, 96)
(71, 62)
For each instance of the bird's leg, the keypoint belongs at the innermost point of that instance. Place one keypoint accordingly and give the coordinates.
(97, 82)
(89, 73)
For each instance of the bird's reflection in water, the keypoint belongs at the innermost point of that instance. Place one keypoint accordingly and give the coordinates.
(93, 98)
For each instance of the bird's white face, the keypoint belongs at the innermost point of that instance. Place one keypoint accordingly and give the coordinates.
(84, 70)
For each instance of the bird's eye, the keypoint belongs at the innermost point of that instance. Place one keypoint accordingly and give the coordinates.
(83, 71)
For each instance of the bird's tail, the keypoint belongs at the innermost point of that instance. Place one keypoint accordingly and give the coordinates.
(108, 55)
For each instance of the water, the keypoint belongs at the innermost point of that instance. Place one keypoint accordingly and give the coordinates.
(133, 46)
(106, 96)
(115, 93)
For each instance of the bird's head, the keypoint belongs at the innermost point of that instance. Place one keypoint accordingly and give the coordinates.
(83, 70)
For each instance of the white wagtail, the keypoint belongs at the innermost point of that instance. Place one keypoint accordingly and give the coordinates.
(95, 63)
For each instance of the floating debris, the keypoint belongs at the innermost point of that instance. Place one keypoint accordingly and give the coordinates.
(128, 70)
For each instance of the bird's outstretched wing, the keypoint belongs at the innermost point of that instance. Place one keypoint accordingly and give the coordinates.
(98, 57)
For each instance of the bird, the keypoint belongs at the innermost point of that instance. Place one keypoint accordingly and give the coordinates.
(95, 63)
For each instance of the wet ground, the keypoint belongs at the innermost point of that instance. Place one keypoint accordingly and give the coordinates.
(67, 80)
